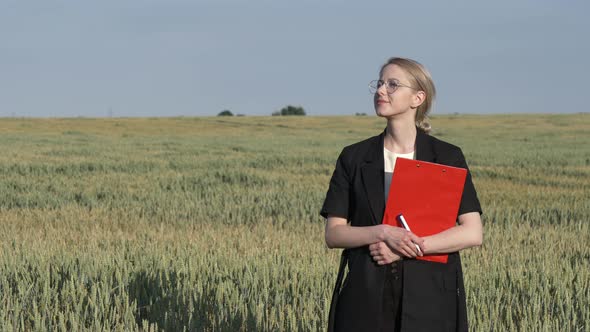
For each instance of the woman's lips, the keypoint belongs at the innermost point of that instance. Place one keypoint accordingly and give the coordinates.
(382, 102)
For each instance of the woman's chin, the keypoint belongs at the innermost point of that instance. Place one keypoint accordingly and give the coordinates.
(383, 113)
(390, 113)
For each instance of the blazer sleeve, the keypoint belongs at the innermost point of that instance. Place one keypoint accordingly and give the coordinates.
(337, 197)
(469, 200)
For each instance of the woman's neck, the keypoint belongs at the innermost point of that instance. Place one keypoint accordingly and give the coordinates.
(400, 136)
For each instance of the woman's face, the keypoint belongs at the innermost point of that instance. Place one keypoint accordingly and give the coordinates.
(401, 101)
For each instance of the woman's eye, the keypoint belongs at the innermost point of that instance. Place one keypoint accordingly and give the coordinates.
(392, 84)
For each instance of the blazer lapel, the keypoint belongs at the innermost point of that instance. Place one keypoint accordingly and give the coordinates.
(372, 174)
(424, 148)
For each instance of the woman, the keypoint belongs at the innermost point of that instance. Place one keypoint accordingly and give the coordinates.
(385, 288)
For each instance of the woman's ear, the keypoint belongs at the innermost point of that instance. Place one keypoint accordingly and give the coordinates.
(418, 99)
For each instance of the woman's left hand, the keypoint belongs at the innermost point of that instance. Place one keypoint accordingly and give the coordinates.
(382, 254)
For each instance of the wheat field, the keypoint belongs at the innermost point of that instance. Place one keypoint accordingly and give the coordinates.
(212, 224)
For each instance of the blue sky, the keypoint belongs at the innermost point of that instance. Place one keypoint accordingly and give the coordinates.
(197, 58)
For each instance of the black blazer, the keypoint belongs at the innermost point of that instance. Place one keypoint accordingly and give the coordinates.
(433, 293)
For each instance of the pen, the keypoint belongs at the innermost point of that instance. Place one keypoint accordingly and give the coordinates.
(401, 218)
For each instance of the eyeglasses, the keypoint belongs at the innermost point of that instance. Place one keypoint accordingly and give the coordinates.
(390, 86)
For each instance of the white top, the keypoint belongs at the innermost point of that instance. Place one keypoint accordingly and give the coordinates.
(389, 159)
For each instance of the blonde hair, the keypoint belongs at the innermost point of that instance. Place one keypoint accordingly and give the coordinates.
(421, 80)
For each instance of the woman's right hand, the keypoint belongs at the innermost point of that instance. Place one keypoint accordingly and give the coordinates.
(382, 254)
(400, 240)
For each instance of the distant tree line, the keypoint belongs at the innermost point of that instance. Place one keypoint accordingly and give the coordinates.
(225, 113)
(290, 110)
(287, 110)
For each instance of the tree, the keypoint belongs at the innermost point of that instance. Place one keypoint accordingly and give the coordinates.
(225, 113)
(290, 110)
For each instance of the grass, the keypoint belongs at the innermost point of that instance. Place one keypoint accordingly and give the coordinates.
(212, 223)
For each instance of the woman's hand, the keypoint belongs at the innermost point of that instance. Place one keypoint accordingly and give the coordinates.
(382, 254)
(401, 240)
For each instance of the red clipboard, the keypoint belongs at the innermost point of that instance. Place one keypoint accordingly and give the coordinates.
(428, 195)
